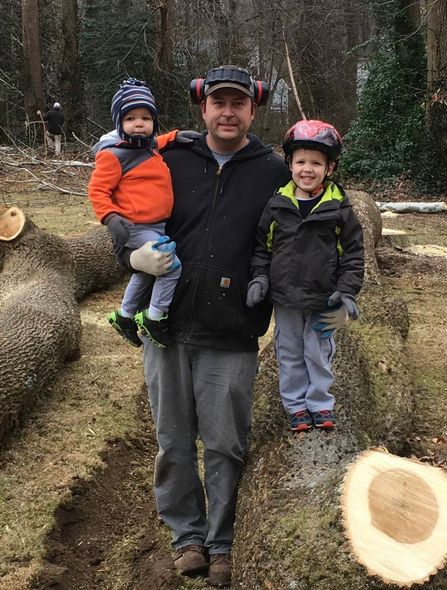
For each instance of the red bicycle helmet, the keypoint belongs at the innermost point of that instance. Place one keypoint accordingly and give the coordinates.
(313, 135)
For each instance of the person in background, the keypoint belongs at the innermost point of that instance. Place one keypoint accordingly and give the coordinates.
(309, 258)
(55, 127)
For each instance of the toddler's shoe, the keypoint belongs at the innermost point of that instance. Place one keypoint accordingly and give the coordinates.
(157, 331)
(300, 421)
(324, 419)
(126, 327)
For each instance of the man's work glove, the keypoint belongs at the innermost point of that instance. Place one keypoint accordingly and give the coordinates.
(151, 260)
(329, 321)
(343, 306)
(187, 136)
(118, 228)
(345, 299)
(257, 290)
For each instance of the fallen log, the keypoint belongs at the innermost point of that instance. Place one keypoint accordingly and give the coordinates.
(42, 278)
(290, 529)
(413, 207)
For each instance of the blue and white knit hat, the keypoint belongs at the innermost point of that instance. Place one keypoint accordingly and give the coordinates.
(133, 94)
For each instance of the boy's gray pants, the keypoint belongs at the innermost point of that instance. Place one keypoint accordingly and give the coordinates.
(305, 371)
(164, 286)
(199, 392)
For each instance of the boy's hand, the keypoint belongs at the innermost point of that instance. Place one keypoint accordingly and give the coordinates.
(257, 290)
(339, 298)
(118, 227)
(151, 260)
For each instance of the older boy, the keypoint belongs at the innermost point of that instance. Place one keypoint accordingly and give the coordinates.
(309, 254)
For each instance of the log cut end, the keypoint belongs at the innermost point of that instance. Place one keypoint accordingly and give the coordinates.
(395, 516)
(12, 222)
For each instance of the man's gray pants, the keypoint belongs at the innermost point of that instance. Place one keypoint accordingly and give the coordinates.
(305, 372)
(199, 392)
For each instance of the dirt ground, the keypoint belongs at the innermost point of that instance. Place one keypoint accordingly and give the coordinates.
(76, 505)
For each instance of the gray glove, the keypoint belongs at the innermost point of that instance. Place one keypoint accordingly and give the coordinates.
(338, 298)
(150, 260)
(187, 136)
(257, 290)
(118, 228)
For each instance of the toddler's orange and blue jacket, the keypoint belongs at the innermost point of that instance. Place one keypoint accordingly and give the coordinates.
(142, 193)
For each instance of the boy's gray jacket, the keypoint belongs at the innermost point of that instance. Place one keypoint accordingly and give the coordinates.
(308, 259)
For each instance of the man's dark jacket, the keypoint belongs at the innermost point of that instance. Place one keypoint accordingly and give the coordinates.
(55, 121)
(216, 211)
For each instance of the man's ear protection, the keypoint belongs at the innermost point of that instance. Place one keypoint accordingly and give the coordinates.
(234, 77)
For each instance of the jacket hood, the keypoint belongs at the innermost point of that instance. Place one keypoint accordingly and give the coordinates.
(107, 140)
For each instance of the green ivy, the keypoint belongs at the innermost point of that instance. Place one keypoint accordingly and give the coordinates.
(382, 141)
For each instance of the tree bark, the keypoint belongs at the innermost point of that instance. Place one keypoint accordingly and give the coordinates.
(437, 78)
(32, 70)
(69, 69)
(42, 279)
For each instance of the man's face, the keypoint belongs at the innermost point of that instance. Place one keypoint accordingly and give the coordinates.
(228, 115)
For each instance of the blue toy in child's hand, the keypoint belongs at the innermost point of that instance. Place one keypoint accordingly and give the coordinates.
(167, 246)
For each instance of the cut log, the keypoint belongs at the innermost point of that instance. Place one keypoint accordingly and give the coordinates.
(395, 516)
(410, 207)
(369, 216)
(42, 278)
(289, 528)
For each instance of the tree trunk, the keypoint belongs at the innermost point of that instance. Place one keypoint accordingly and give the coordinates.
(437, 78)
(43, 276)
(69, 69)
(32, 71)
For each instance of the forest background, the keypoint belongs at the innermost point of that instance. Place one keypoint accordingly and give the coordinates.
(376, 69)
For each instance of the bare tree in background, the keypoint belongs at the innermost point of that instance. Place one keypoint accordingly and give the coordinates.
(32, 72)
(437, 75)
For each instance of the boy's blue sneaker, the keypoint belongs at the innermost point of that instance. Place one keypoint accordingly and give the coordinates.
(324, 419)
(126, 327)
(164, 244)
(300, 421)
(157, 331)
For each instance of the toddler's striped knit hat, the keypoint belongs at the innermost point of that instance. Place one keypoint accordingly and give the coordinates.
(133, 94)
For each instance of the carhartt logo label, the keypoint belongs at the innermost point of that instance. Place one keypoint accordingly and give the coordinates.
(225, 282)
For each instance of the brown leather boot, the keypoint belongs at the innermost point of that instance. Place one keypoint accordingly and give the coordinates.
(220, 570)
(190, 560)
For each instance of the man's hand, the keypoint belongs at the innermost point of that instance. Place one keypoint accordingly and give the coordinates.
(118, 228)
(151, 260)
(257, 290)
(339, 298)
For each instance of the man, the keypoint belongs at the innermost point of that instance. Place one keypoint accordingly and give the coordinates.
(55, 122)
(201, 385)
